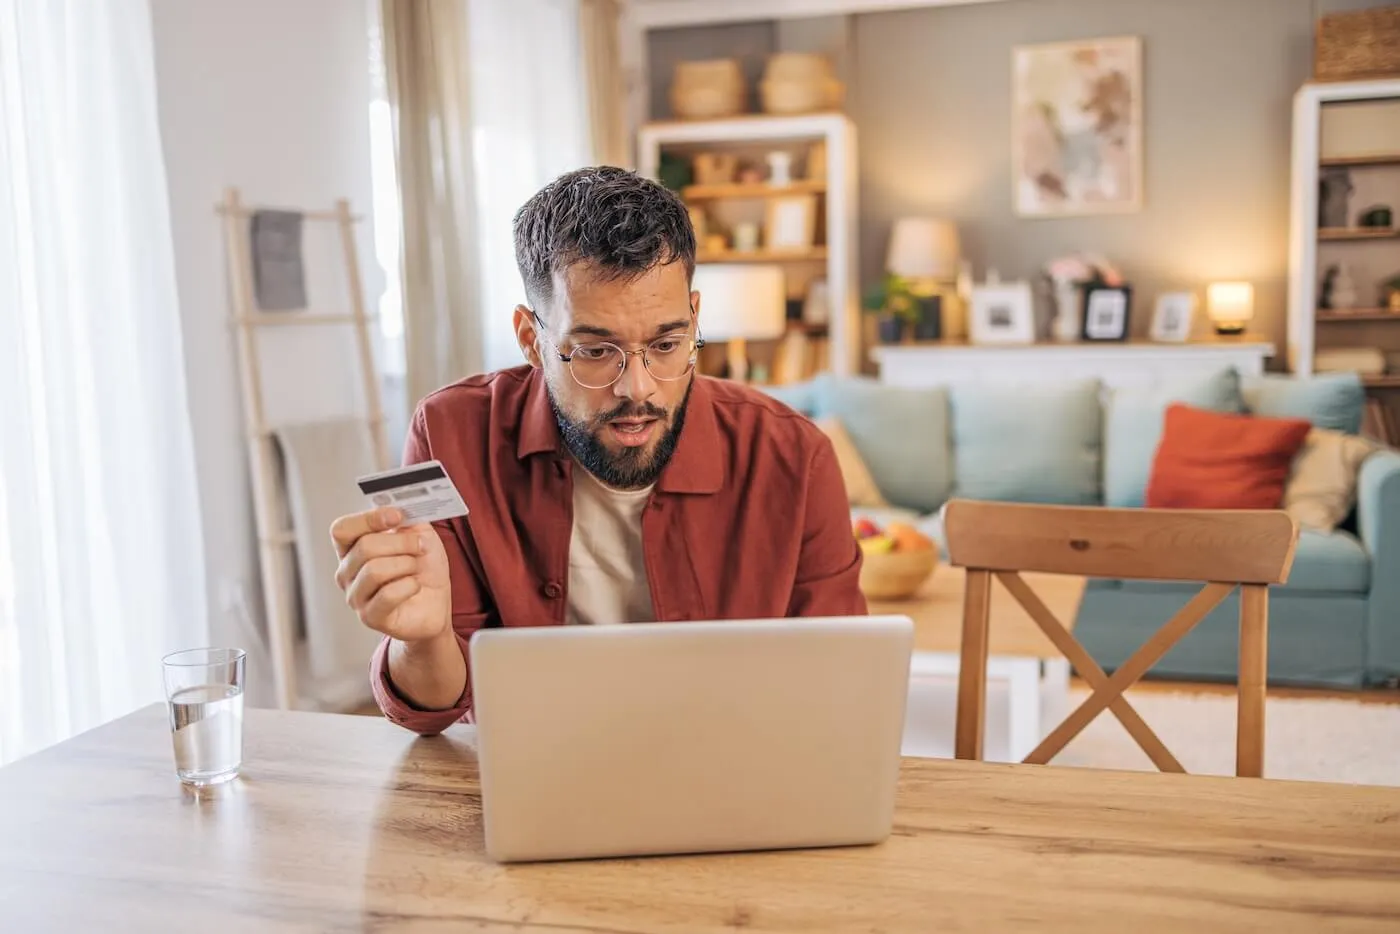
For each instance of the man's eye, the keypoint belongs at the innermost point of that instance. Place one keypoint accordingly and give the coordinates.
(593, 352)
(669, 345)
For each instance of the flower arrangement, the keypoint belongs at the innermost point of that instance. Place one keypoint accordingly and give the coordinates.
(1083, 269)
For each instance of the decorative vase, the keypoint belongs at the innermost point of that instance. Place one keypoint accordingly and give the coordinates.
(1067, 324)
(929, 327)
(891, 329)
(1334, 198)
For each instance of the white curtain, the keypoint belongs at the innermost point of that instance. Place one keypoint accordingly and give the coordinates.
(101, 563)
(529, 128)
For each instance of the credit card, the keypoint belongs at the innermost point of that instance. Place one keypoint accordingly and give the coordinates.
(423, 492)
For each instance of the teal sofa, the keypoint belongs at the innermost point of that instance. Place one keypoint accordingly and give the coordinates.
(1336, 623)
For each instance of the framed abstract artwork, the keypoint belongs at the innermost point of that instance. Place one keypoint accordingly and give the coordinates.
(1077, 127)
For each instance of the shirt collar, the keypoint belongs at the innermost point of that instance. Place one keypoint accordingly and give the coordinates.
(695, 467)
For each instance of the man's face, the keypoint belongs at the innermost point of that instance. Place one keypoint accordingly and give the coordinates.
(625, 433)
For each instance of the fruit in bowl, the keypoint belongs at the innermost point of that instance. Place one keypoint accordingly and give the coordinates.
(898, 558)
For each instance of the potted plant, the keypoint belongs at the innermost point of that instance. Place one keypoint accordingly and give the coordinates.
(895, 305)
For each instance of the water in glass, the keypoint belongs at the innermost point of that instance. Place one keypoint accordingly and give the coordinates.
(207, 727)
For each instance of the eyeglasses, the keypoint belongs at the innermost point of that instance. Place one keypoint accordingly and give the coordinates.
(599, 364)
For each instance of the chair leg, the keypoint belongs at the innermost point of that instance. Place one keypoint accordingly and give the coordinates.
(1253, 677)
(972, 667)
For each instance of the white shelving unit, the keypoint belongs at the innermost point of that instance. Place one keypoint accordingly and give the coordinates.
(836, 259)
(1370, 143)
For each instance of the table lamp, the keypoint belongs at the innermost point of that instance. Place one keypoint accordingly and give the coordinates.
(1230, 305)
(740, 302)
(924, 249)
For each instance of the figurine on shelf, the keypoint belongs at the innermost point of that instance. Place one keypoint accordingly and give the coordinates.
(1329, 282)
(1343, 294)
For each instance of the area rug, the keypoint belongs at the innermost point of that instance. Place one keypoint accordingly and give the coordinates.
(1327, 740)
(1311, 740)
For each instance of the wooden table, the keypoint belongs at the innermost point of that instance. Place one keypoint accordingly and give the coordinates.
(1036, 674)
(343, 823)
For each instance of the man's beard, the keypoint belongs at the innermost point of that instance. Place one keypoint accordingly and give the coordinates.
(630, 468)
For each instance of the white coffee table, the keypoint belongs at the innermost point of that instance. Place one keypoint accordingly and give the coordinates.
(1036, 675)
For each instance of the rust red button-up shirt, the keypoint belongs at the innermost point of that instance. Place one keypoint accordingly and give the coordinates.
(748, 520)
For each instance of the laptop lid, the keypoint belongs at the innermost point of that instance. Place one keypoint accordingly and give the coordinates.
(689, 737)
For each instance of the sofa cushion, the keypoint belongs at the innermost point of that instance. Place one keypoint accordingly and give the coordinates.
(1325, 562)
(1030, 444)
(902, 434)
(1218, 460)
(1332, 400)
(1133, 427)
(800, 396)
(861, 489)
(1321, 488)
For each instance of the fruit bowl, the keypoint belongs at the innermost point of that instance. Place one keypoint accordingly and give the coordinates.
(898, 559)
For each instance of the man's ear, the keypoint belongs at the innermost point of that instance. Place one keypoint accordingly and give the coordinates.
(695, 307)
(526, 336)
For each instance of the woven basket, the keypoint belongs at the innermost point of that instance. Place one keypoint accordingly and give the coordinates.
(1358, 45)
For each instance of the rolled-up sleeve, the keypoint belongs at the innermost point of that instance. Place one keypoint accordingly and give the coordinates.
(828, 568)
(471, 609)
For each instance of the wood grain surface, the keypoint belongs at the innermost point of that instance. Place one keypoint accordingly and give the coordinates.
(1236, 546)
(342, 823)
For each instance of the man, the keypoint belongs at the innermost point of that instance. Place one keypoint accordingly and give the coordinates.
(607, 482)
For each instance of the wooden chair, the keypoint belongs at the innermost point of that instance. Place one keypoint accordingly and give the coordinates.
(1223, 549)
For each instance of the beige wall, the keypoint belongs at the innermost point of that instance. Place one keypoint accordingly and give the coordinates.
(929, 90)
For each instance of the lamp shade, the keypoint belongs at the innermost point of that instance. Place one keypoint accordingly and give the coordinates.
(741, 301)
(1230, 305)
(923, 248)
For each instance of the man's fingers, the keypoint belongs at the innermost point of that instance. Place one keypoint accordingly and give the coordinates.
(389, 598)
(374, 546)
(376, 575)
(347, 530)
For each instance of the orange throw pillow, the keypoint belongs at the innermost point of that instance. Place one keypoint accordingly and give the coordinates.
(1211, 460)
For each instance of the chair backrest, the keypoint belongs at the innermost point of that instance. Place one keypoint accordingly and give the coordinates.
(1222, 549)
(1224, 545)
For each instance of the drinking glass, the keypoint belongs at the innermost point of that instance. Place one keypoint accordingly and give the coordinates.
(204, 688)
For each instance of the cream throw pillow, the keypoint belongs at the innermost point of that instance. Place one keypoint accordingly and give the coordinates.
(1321, 489)
(860, 486)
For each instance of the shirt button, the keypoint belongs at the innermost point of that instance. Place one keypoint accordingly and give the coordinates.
(553, 591)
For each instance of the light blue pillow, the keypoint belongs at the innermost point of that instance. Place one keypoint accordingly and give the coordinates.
(1028, 444)
(901, 434)
(1133, 427)
(799, 396)
(1333, 400)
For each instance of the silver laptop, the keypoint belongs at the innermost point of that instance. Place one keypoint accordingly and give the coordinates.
(689, 737)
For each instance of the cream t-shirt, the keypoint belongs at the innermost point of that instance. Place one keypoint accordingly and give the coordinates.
(607, 576)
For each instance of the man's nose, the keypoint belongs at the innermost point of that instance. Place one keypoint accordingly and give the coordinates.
(636, 382)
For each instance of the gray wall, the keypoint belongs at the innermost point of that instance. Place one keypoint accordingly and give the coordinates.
(929, 90)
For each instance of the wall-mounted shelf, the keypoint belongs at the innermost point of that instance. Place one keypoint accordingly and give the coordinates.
(1356, 233)
(1381, 382)
(1379, 158)
(815, 253)
(751, 190)
(1358, 314)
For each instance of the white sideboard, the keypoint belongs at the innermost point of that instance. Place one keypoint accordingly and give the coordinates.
(1116, 365)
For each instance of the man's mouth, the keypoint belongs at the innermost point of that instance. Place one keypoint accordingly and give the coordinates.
(632, 432)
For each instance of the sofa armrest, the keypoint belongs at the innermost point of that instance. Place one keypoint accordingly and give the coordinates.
(1378, 521)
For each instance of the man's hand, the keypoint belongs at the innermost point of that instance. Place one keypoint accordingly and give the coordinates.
(395, 578)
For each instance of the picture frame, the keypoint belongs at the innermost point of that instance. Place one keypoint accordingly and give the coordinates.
(1002, 314)
(1077, 127)
(1173, 317)
(1107, 311)
(790, 222)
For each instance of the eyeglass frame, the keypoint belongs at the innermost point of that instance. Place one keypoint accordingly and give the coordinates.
(698, 340)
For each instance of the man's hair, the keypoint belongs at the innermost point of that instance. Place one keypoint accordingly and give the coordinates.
(620, 224)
